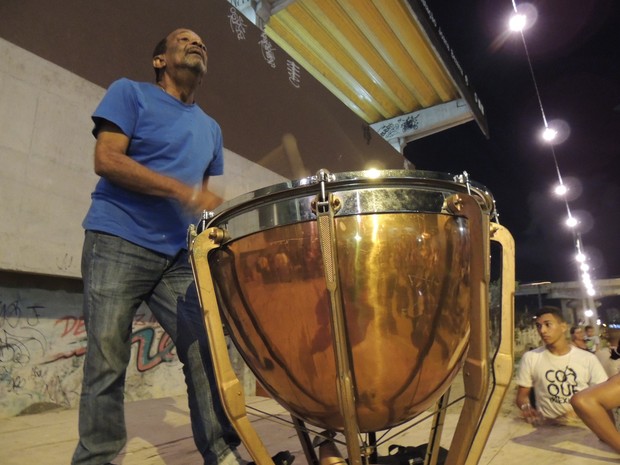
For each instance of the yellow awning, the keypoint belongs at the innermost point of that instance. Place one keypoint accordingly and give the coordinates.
(384, 59)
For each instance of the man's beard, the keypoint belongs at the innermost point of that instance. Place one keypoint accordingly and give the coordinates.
(196, 65)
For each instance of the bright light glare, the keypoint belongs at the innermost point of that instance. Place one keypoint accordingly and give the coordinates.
(559, 130)
(591, 292)
(571, 222)
(580, 257)
(585, 267)
(523, 17)
(588, 313)
(373, 173)
(549, 134)
(560, 189)
(517, 22)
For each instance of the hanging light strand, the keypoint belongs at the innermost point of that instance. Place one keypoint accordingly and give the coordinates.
(549, 135)
(531, 68)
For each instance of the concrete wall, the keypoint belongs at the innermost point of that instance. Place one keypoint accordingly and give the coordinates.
(45, 183)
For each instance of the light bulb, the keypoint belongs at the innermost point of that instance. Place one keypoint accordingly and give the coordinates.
(517, 22)
(580, 257)
(588, 313)
(560, 189)
(549, 134)
(571, 222)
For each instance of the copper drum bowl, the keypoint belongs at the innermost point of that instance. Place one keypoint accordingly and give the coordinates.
(403, 266)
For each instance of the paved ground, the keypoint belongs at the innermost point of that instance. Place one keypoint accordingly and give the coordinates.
(160, 434)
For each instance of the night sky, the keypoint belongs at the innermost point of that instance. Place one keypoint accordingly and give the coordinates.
(573, 48)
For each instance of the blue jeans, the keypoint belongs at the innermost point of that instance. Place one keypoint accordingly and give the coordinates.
(118, 276)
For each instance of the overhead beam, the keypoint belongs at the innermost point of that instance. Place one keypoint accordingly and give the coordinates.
(570, 290)
(402, 129)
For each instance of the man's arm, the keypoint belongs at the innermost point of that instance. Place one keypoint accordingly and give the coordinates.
(529, 413)
(593, 406)
(112, 163)
(523, 396)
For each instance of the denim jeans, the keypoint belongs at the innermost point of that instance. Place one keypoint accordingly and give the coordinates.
(118, 276)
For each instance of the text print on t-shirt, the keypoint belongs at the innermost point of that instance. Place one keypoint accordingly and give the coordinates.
(562, 384)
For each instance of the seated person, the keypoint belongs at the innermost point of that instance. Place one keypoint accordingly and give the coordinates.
(555, 372)
(594, 406)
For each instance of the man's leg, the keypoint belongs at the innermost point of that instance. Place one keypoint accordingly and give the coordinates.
(117, 275)
(175, 305)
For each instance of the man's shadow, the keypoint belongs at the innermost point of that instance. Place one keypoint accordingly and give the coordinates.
(575, 441)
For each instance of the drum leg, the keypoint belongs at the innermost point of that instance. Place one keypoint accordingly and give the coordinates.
(476, 369)
(306, 442)
(483, 414)
(432, 451)
(230, 389)
(503, 360)
(372, 443)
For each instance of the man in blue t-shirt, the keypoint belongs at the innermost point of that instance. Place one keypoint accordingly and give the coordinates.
(155, 151)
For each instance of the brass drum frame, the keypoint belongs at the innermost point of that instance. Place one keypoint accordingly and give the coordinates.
(461, 198)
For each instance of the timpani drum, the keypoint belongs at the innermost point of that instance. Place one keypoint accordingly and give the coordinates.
(350, 295)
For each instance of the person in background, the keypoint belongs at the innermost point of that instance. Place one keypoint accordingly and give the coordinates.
(577, 337)
(593, 342)
(555, 372)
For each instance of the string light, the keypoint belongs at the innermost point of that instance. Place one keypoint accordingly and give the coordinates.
(517, 22)
(549, 134)
(571, 222)
(524, 16)
(560, 190)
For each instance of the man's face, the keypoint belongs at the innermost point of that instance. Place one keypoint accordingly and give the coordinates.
(578, 334)
(550, 328)
(185, 49)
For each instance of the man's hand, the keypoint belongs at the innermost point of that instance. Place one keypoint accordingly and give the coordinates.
(203, 200)
(531, 415)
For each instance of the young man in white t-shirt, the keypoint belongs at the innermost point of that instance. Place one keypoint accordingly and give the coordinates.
(554, 372)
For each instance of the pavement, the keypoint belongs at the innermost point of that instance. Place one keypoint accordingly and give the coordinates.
(159, 433)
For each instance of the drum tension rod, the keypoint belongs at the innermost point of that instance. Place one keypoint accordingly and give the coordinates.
(323, 200)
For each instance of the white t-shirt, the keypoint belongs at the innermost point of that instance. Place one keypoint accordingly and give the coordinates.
(592, 343)
(555, 378)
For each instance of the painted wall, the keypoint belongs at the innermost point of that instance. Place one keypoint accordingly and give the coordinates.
(45, 183)
(43, 342)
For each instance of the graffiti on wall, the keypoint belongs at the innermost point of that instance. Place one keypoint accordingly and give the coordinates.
(42, 344)
(152, 348)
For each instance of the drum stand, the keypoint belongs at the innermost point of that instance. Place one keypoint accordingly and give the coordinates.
(480, 407)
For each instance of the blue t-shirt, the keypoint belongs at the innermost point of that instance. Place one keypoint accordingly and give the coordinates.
(166, 136)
